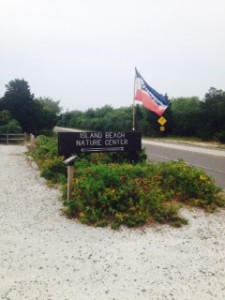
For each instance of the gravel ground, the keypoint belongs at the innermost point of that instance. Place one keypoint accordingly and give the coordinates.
(45, 256)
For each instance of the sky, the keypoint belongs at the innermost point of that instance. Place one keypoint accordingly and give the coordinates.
(84, 52)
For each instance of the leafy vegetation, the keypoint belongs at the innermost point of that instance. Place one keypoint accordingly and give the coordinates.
(187, 117)
(44, 152)
(21, 112)
(115, 194)
(7, 124)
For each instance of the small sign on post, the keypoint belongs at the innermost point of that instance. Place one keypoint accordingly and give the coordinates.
(162, 121)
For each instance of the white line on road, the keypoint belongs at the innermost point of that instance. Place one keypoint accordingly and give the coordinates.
(187, 148)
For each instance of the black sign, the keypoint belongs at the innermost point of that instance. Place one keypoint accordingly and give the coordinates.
(88, 142)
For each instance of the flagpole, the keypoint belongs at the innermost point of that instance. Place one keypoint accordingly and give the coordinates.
(134, 104)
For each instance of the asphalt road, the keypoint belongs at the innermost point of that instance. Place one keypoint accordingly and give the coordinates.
(210, 160)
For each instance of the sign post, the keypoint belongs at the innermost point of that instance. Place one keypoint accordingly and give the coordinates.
(70, 173)
(162, 121)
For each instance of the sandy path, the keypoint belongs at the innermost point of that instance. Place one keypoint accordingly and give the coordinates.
(44, 256)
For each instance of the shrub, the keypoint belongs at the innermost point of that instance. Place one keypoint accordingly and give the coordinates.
(135, 195)
(11, 127)
(120, 193)
(43, 148)
(44, 152)
(52, 169)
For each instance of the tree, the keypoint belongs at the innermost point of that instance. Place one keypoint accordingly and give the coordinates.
(20, 102)
(119, 119)
(69, 118)
(1, 104)
(5, 116)
(212, 113)
(7, 124)
(49, 111)
(13, 127)
(185, 116)
(103, 111)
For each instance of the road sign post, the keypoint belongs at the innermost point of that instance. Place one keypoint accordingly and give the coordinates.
(162, 121)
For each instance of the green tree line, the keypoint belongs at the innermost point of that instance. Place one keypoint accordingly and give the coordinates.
(20, 111)
(186, 117)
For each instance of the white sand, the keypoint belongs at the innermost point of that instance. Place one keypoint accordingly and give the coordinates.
(45, 256)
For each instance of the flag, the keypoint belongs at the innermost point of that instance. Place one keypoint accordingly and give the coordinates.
(151, 99)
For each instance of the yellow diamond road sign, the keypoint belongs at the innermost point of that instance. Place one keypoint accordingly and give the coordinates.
(162, 121)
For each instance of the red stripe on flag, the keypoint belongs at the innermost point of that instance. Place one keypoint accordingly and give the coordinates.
(148, 102)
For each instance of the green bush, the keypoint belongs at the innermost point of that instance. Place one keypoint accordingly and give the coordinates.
(43, 148)
(135, 195)
(44, 152)
(53, 169)
(114, 157)
(11, 127)
(108, 191)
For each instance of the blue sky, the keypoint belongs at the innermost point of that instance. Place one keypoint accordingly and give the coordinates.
(84, 52)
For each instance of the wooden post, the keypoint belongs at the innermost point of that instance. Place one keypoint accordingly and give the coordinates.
(70, 172)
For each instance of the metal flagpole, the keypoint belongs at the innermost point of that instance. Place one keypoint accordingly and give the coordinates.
(134, 103)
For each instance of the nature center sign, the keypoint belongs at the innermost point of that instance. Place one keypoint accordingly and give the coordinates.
(88, 142)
